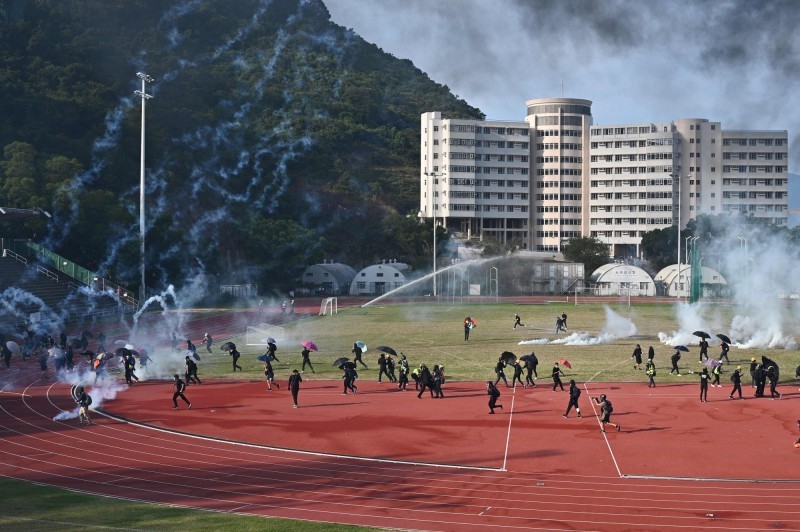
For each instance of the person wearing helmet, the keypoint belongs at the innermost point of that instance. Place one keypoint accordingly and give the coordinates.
(605, 413)
(574, 394)
(753, 368)
(494, 395)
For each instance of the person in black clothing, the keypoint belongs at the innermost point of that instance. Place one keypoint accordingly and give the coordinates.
(382, 367)
(6, 355)
(703, 349)
(403, 382)
(191, 347)
(674, 359)
(574, 393)
(753, 367)
(191, 371)
(390, 369)
(294, 385)
(564, 320)
(637, 355)
(606, 409)
(772, 374)
(130, 366)
(736, 379)
(208, 341)
(425, 381)
(467, 327)
(437, 378)
(174, 341)
(761, 380)
(560, 324)
(357, 352)
(530, 369)
(517, 375)
(62, 340)
(517, 321)
(494, 395)
(101, 342)
(498, 370)
(84, 401)
(651, 353)
(724, 352)
(180, 387)
(306, 354)
(271, 349)
(269, 373)
(235, 354)
(704, 376)
(556, 377)
(349, 378)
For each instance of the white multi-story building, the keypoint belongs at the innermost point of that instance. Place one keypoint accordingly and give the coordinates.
(554, 176)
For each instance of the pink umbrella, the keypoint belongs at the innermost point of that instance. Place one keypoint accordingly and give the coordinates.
(309, 345)
(565, 362)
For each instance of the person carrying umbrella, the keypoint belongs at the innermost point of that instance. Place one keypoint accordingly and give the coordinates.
(650, 370)
(235, 354)
(349, 377)
(357, 352)
(494, 395)
(724, 348)
(306, 354)
(606, 409)
(294, 385)
(556, 377)
(574, 394)
(704, 376)
(637, 356)
(269, 373)
(271, 349)
(498, 370)
(674, 359)
(703, 349)
(736, 379)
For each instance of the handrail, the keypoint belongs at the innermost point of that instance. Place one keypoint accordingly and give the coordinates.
(17, 256)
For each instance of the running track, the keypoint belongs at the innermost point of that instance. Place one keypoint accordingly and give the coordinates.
(183, 470)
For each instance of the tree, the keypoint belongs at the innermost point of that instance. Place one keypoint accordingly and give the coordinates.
(587, 250)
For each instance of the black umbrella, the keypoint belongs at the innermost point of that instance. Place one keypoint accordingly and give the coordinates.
(76, 343)
(681, 348)
(386, 349)
(508, 356)
(530, 357)
(702, 334)
(196, 356)
(351, 365)
(266, 358)
(227, 346)
(724, 339)
(339, 362)
(122, 352)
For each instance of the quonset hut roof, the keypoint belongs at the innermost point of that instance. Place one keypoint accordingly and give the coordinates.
(341, 274)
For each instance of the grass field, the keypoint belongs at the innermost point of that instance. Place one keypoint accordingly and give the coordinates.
(433, 334)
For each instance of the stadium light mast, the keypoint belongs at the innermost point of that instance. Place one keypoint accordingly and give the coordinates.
(434, 177)
(144, 96)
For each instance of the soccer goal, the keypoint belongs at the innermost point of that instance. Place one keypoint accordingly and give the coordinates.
(329, 305)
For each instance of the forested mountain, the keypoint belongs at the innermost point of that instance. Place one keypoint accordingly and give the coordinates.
(275, 137)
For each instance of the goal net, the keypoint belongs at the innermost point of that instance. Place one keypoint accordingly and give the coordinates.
(329, 305)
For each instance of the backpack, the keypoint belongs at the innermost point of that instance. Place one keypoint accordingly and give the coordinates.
(609, 406)
(88, 399)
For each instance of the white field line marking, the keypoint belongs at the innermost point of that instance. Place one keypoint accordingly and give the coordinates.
(508, 435)
(605, 437)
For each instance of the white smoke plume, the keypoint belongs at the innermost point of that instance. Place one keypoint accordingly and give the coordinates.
(615, 327)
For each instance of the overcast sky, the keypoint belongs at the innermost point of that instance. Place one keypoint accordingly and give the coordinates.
(638, 61)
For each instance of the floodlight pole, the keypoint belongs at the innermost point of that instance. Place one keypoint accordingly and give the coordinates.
(433, 176)
(144, 96)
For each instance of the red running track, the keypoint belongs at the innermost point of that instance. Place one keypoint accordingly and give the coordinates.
(366, 459)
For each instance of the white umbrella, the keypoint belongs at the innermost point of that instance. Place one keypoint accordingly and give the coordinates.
(13, 346)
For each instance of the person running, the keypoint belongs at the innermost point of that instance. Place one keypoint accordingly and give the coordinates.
(574, 393)
(84, 401)
(564, 320)
(772, 375)
(425, 381)
(382, 367)
(208, 341)
(403, 369)
(606, 409)
(494, 395)
(235, 354)
(272, 348)
(390, 368)
(530, 369)
(716, 372)
(349, 377)
(736, 379)
(556, 377)
(650, 370)
(704, 376)
(560, 324)
(357, 352)
(306, 354)
(703, 349)
(498, 370)
(191, 371)
(269, 373)
(637, 356)
(724, 348)
(130, 366)
(191, 347)
(180, 387)
(517, 321)
(517, 375)
(674, 359)
(437, 379)
(294, 385)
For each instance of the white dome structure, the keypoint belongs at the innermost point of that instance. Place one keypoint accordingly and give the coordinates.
(712, 283)
(622, 279)
(379, 278)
